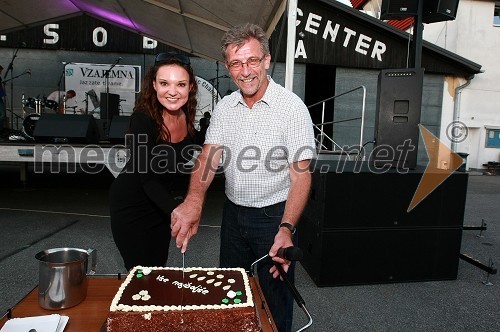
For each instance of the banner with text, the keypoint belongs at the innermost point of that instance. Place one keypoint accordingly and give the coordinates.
(89, 81)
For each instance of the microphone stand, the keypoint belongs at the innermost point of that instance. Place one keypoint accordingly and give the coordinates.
(296, 295)
(13, 78)
(59, 86)
(295, 255)
(86, 103)
(10, 69)
(215, 81)
(106, 81)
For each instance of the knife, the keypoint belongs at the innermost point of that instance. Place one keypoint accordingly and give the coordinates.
(183, 279)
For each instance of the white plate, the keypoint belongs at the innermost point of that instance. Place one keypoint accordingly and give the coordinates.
(47, 323)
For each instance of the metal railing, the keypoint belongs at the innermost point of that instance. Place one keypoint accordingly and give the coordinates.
(337, 148)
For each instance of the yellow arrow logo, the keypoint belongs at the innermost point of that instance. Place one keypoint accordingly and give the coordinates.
(442, 163)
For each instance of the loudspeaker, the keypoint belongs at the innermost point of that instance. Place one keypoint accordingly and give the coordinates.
(118, 129)
(112, 101)
(346, 194)
(439, 10)
(371, 256)
(66, 128)
(355, 228)
(398, 9)
(399, 102)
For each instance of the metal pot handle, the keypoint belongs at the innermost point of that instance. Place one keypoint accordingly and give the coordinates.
(93, 255)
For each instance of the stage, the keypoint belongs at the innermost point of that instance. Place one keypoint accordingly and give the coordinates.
(54, 158)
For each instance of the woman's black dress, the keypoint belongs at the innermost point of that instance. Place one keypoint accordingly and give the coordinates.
(144, 194)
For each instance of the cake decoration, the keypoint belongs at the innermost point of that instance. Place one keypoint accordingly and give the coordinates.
(213, 299)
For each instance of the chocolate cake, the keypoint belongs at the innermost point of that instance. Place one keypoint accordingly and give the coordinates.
(204, 299)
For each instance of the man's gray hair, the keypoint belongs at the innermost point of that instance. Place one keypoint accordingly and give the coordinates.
(241, 34)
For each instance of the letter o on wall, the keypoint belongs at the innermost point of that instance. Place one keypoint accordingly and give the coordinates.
(100, 32)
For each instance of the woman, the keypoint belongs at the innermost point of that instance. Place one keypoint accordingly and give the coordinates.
(152, 183)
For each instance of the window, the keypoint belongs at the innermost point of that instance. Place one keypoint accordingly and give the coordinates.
(493, 138)
(496, 15)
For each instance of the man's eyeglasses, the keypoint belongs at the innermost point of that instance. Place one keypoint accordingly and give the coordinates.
(252, 62)
(179, 57)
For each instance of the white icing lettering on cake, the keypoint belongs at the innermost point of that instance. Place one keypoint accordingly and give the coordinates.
(192, 288)
(162, 278)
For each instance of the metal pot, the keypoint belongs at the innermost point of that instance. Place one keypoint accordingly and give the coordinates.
(63, 276)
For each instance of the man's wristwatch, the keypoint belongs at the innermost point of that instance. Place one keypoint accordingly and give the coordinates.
(289, 226)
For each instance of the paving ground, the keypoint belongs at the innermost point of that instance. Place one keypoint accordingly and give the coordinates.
(71, 210)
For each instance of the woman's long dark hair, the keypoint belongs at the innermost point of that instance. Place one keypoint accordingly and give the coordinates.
(148, 102)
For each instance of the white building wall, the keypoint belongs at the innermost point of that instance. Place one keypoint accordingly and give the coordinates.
(473, 36)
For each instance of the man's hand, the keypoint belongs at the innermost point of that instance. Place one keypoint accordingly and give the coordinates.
(283, 239)
(184, 223)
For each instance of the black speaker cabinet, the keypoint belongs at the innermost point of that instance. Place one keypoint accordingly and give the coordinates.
(369, 256)
(110, 105)
(398, 9)
(356, 229)
(67, 128)
(118, 129)
(354, 195)
(399, 102)
(439, 10)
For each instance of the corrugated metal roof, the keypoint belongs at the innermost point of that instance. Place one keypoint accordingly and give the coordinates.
(358, 4)
(402, 24)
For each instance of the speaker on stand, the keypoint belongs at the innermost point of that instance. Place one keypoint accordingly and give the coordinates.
(110, 106)
(399, 102)
(439, 10)
(398, 9)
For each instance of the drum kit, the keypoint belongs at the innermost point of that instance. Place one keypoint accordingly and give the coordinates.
(34, 107)
(32, 110)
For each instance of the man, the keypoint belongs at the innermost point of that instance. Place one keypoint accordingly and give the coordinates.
(267, 137)
(66, 101)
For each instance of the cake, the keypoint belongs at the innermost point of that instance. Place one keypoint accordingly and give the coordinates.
(200, 299)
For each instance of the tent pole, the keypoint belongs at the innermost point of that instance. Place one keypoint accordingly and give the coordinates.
(290, 44)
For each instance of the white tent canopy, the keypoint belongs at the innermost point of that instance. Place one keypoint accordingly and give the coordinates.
(194, 26)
